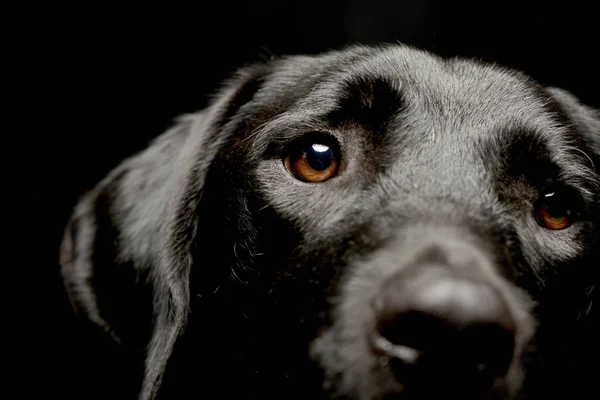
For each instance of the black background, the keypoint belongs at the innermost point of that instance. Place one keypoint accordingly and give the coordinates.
(98, 83)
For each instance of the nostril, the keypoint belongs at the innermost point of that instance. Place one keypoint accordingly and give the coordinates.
(413, 329)
(396, 349)
(489, 347)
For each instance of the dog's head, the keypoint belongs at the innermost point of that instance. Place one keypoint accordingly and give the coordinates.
(413, 225)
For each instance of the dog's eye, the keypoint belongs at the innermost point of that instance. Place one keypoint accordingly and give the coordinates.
(557, 208)
(313, 160)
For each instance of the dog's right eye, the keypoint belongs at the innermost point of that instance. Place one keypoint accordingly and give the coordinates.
(557, 208)
(313, 159)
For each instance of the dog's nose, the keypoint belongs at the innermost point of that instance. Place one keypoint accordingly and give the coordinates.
(441, 330)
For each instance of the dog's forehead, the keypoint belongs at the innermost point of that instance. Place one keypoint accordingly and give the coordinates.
(446, 91)
(430, 93)
(431, 99)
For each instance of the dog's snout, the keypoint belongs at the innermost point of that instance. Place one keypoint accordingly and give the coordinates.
(437, 325)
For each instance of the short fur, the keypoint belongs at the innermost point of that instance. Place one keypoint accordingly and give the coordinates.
(235, 275)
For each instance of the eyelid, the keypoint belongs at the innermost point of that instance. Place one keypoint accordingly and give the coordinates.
(270, 144)
(314, 137)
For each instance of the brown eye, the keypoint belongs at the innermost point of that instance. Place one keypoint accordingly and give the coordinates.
(313, 160)
(557, 209)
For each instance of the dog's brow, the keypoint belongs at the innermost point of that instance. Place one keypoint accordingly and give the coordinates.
(369, 101)
(272, 136)
(538, 156)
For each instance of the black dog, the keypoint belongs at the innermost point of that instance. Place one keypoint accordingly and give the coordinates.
(371, 223)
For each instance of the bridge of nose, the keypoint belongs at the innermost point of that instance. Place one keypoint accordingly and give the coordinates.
(447, 171)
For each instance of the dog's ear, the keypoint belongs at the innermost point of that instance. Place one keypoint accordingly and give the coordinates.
(131, 235)
(585, 119)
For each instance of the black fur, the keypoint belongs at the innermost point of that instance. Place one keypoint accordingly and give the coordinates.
(238, 278)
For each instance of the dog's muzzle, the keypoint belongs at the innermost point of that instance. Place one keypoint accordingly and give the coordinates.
(428, 315)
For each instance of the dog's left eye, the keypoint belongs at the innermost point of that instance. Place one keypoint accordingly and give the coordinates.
(557, 208)
(313, 160)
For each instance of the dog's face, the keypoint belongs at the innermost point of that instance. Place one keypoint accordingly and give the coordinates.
(363, 224)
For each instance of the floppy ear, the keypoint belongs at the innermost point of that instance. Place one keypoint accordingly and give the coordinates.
(127, 244)
(585, 119)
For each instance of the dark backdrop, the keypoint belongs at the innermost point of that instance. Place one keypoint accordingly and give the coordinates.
(102, 82)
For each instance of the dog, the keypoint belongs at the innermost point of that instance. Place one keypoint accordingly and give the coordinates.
(375, 222)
